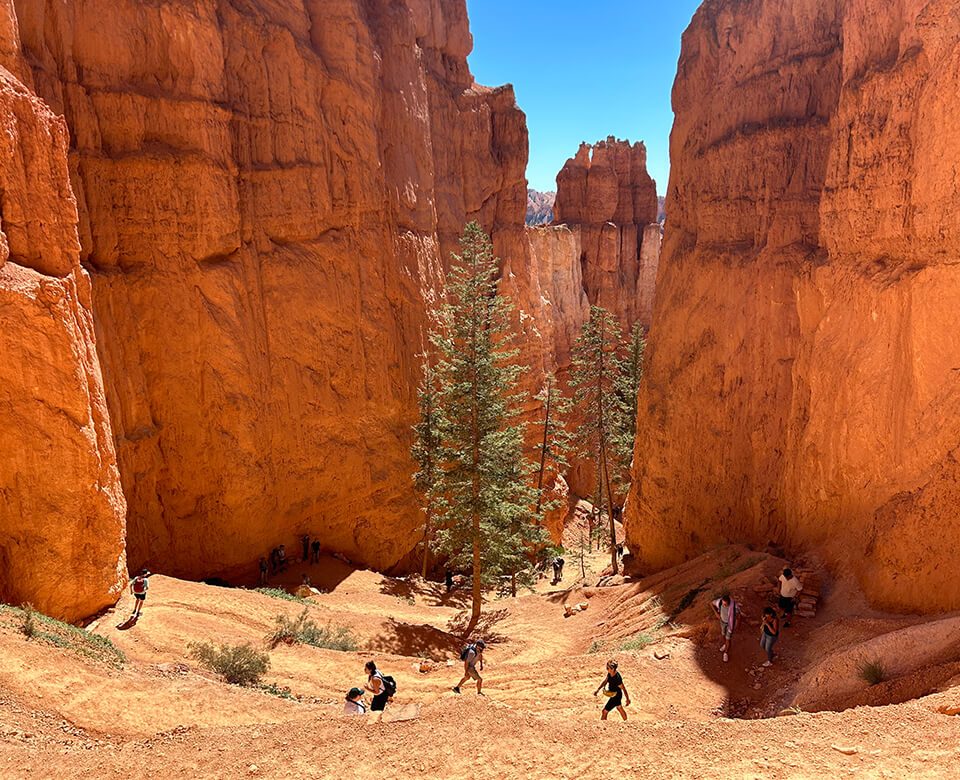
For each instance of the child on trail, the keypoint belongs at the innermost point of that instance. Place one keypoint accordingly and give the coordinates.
(354, 704)
(769, 633)
(263, 571)
(472, 655)
(376, 686)
(790, 588)
(138, 587)
(728, 611)
(615, 691)
(316, 551)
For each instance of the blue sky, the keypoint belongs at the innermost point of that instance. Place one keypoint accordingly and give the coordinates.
(583, 70)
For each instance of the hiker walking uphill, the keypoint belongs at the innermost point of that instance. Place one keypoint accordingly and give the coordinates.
(729, 613)
(381, 686)
(615, 691)
(557, 569)
(138, 587)
(790, 588)
(472, 656)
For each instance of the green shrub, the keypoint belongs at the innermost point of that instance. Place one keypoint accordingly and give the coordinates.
(36, 625)
(28, 622)
(278, 593)
(237, 664)
(638, 642)
(872, 672)
(281, 693)
(303, 630)
(595, 647)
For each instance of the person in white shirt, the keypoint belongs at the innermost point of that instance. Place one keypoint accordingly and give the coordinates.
(790, 588)
(354, 704)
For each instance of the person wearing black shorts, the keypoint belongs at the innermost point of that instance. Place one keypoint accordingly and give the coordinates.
(376, 686)
(615, 691)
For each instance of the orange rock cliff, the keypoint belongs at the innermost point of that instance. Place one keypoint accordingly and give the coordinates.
(252, 206)
(604, 247)
(61, 505)
(803, 381)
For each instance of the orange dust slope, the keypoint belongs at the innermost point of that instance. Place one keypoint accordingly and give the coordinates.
(65, 714)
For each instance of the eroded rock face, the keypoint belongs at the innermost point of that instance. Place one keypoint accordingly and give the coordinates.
(802, 383)
(605, 248)
(267, 194)
(61, 507)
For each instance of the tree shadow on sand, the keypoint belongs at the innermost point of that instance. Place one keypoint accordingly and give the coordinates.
(433, 594)
(416, 640)
(484, 628)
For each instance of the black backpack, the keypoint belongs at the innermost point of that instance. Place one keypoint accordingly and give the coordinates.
(466, 651)
(389, 686)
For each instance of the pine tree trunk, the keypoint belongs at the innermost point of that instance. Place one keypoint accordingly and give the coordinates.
(426, 545)
(543, 453)
(613, 527)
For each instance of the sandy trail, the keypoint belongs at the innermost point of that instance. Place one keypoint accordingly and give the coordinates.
(160, 716)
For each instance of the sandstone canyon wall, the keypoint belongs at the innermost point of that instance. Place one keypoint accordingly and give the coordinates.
(61, 505)
(804, 379)
(267, 192)
(603, 249)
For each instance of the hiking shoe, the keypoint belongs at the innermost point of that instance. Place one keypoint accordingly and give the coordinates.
(456, 689)
(726, 657)
(768, 663)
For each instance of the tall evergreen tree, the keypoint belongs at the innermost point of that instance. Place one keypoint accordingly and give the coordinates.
(426, 451)
(596, 377)
(483, 495)
(554, 445)
(628, 387)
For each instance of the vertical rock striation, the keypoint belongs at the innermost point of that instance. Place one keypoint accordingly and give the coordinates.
(267, 195)
(61, 506)
(603, 250)
(803, 381)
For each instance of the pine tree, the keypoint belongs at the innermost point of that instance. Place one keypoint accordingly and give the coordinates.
(628, 387)
(554, 445)
(596, 377)
(426, 450)
(483, 495)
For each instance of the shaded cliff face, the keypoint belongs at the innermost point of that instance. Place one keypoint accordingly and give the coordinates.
(61, 506)
(267, 192)
(802, 384)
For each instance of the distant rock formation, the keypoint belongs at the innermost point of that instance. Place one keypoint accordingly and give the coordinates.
(803, 385)
(540, 207)
(606, 240)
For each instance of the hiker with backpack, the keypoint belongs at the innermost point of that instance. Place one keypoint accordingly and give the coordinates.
(138, 587)
(354, 705)
(472, 655)
(615, 691)
(728, 611)
(383, 687)
(557, 569)
(769, 633)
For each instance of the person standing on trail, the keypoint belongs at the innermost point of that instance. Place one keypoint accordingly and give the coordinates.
(615, 691)
(274, 560)
(316, 551)
(354, 704)
(281, 557)
(471, 656)
(448, 579)
(376, 686)
(263, 570)
(138, 587)
(305, 540)
(729, 612)
(769, 633)
(790, 588)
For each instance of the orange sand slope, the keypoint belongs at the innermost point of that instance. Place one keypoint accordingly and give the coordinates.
(64, 714)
